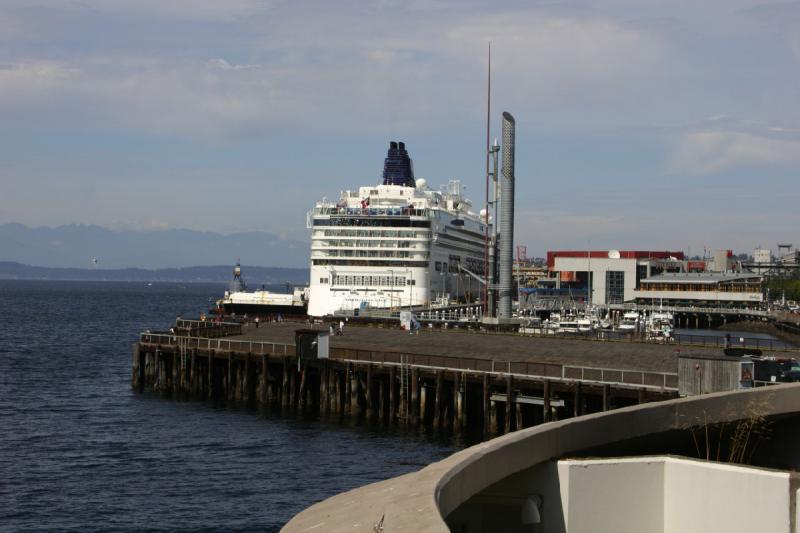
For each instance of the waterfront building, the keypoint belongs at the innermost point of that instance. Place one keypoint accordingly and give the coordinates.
(703, 289)
(609, 277)
(654, 277)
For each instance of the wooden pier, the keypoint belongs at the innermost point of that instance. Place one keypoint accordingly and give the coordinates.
(455, 380)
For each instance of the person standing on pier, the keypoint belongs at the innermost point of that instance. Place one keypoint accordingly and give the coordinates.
(257, 321)
(341, 327)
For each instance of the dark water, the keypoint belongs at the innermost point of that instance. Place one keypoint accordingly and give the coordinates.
(80, 451)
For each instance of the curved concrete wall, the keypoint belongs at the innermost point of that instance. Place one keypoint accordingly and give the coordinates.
(421, 501)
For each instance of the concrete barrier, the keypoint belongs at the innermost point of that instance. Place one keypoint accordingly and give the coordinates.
(422, 501)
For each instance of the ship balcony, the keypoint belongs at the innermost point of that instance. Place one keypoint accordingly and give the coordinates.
(370, 254)
(370, 245)
(393, 211)
(345, 233)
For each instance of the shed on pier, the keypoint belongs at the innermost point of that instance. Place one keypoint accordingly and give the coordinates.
(702, 374)
(311, 343)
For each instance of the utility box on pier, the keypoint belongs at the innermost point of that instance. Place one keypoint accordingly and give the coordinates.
(311, 344)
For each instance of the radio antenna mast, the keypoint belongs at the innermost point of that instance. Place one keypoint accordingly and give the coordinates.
(486, 214)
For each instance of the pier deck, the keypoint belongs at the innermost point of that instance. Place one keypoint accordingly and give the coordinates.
(456, 378)
(496, 347)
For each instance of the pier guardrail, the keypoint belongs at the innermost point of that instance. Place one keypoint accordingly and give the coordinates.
(678, 339)
(207, 343)
(690, 309)
(526, 369)
(716, 341)
(522, 369)
(206, 328)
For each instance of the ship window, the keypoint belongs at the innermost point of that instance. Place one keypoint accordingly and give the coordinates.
(438, 266)
(323, 280)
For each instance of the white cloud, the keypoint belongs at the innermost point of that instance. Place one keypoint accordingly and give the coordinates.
(26, 79)
(346, 70)
(554, 56)
(175, 9)
(713, 152)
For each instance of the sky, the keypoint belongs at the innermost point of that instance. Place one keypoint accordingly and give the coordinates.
(640, 124)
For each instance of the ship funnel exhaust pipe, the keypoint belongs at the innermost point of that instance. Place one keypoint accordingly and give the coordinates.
(506, 217)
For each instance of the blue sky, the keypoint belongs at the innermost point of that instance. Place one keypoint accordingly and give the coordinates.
(643, 125)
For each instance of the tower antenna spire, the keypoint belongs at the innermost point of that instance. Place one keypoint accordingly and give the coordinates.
(486, 213)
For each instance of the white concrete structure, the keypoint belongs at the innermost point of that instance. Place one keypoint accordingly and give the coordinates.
(600, 269)
(720, 261)
(656, 494)
(670, 495)
(513, 484)
(762, 255)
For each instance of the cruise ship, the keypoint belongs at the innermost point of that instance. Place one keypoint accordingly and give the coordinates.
(395, 244)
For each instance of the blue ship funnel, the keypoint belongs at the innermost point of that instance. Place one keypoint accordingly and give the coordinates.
(398, 168)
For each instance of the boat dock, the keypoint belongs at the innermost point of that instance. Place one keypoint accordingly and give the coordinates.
(457, 379)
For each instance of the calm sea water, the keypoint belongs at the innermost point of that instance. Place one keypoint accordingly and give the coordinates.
(80, 451)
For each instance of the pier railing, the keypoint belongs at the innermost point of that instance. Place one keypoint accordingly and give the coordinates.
(525, 369)
(522, 369)
(221, 344)
(735, 342)
(688, 309)
(206, 328)
(677, 339)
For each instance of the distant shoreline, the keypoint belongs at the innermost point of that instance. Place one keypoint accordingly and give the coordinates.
(254, 275)
(98, 280)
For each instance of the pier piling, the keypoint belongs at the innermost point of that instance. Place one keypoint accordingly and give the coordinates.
(392, 399)
(509, 403)
(546, 412)
(486, 406)
(439, 402)
(368, 393)
(415, 396)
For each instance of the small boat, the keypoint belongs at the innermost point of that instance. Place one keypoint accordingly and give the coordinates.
(629, 322)
(660, 326)
(238, 301)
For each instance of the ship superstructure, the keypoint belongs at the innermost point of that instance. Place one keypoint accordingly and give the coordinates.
(395, 244)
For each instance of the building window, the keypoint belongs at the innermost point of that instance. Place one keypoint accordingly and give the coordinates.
(438, 266)
(615, 287)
